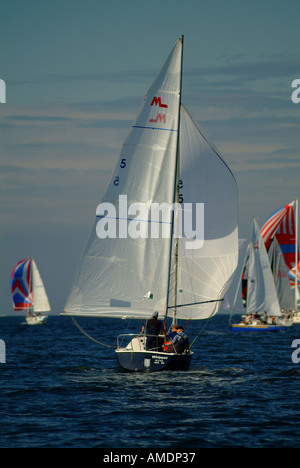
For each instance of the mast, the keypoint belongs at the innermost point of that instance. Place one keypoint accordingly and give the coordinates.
(296, 255)
(239, 282)
(30, 309)
(176, 197)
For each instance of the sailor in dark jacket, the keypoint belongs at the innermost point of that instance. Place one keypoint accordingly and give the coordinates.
(153, 327)
(180, 341)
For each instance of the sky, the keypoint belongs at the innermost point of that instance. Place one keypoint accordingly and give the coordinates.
(76, 72)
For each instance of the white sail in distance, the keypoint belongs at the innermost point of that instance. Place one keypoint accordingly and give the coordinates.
(40, 298)
(261, 292)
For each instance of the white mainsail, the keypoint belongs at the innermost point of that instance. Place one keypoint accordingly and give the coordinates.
(115, 274)
(261, 292)
(124, 269)
(40, 298)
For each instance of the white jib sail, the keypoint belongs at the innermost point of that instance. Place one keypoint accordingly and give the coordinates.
(119, 266)
(261, 292)
(40, 298)
(205, 269)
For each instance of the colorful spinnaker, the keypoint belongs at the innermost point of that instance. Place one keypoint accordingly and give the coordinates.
(21, 285)
(281, 225)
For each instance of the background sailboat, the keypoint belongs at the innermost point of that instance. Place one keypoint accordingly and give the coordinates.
(28, 292)
(135, 262)
(282, 225)
(261, 294)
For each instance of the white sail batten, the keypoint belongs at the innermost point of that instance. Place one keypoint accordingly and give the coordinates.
(261, 292)
(205, 265)
(126, 273)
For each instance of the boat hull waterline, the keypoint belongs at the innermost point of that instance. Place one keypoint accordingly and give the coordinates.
(257, 328)
(152, 361)
(36, 320)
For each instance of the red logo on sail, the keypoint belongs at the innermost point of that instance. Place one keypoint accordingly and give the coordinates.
(157, 100)
(160, 117)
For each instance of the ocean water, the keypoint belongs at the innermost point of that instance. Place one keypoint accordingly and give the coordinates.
(59, 389)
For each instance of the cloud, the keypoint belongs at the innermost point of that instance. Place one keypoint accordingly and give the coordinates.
(67, 150)
(118, 76)
(226, 71)
(232, 72)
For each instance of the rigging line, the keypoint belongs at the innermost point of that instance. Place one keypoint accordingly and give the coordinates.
(200, 331)
(184, 326)
(189, 273)
(90, 337)
(138, 220)
(195, 303)
(125, 332)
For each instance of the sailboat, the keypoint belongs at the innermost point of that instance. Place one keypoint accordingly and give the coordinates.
(165, 236)
(282, 225)
(263, 311)
(281, 281)
(28, 292)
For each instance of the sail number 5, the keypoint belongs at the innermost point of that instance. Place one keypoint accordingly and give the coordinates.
(122, 166)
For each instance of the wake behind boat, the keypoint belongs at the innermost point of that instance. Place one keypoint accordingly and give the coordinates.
(28, 292)
(165, 237)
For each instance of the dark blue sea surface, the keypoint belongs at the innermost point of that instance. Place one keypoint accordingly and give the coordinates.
(60, 389)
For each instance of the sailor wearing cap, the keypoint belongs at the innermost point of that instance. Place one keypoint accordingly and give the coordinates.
(152, 328)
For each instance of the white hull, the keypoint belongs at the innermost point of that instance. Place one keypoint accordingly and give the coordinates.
(36, 320)
(286, 322)
(296, 318)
